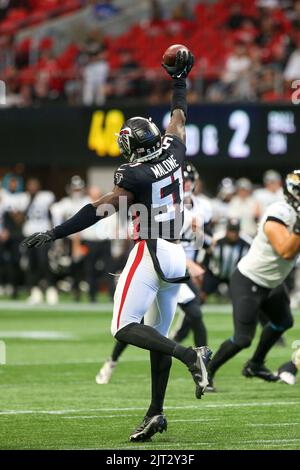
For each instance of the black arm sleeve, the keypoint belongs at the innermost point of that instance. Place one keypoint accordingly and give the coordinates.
(83, 219)
(179, 95)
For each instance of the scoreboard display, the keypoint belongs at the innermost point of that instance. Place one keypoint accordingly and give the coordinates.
(249, 134)
(234, 136)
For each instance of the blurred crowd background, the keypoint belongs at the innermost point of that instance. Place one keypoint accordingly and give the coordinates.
(87, 263)
(95, 52)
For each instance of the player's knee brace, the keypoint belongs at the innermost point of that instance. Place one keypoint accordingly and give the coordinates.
(242, 341)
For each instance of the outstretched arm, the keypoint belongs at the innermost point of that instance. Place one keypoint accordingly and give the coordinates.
(177, 124)
(87, 216)
(286, 244)
(183, 65)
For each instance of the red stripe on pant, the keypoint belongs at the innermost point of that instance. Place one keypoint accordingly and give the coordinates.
(134, 266)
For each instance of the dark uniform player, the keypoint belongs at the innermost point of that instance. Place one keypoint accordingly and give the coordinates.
(151, 183)
(188, 299)
(258, 284)
(220, 262)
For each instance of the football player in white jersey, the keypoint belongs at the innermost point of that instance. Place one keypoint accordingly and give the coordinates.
(272, 191)
(35, 203)
(151, 184)
(258, 284)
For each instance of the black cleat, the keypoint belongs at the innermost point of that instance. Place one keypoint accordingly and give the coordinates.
(251, 369)
(287, 373)
(148, 428)
(210, 387)
(199, 371)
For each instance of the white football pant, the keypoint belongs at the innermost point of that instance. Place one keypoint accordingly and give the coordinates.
(139, 286)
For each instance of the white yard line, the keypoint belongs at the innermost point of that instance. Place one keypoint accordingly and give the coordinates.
(256, 425)
(60, 307)
(203, 407)
(97, 360)
(201, 420)
(36, 335)
(191, 445)
(270, 441)
(101, 417)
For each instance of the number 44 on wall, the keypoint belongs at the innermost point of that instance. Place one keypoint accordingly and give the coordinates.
(102, 135)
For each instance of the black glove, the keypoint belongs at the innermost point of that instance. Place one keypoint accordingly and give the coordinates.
(183, 65)
(39, 239)
(296, 228)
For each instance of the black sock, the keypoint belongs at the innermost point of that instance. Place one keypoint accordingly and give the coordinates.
(183, 331)
(226, 351)
(193, 311)
(160, 371)
(146, 337)
(117, 351)
(268, 338)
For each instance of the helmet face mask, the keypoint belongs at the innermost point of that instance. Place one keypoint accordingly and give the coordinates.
(124, 142)
(292, 189)
(139, 140)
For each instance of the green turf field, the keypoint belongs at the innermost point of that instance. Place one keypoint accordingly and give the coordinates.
(49, 398)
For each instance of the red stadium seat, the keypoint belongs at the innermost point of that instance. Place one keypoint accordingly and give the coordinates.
(8, 28)
(46, 43)
(37, 17)
(17, 14)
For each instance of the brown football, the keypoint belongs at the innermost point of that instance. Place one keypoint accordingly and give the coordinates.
(170, 54)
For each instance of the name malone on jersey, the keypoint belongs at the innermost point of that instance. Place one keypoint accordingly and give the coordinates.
(164, 168)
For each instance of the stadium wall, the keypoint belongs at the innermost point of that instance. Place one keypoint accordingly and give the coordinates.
(228, 139)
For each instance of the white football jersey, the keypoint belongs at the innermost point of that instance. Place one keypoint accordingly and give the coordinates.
(12, 202)
(37, 211)
(262, 264)
(265, 198)
(201, 211)
(67, 207)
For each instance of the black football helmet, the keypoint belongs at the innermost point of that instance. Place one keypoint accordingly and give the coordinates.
(292, 189)
(189, 174)
(139, 140)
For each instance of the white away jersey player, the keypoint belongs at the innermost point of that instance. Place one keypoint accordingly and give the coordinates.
(265, 197)
(155, 265)
(37, 211)
(200, 211)
(262, 264)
